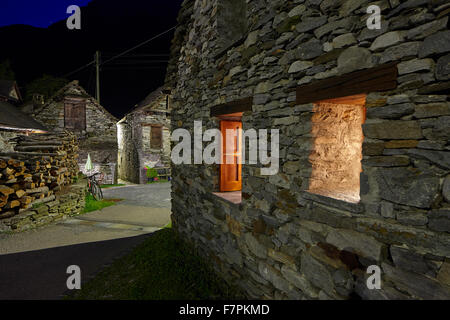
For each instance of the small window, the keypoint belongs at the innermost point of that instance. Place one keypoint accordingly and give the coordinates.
(337, 153)
(156, 138)
(75, 114)
(231, 22)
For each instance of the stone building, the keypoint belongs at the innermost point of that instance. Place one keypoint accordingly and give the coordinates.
(73, 109)
(13, 122)
(144, 137)
(364, 120)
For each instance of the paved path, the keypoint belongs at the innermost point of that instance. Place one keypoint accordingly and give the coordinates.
(155, 195)
(33, 264)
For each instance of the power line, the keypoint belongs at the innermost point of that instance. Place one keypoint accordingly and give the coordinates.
(140, 45)
(79, 69)
(121, 54)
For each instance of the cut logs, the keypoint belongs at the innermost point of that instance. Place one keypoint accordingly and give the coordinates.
(41, 165)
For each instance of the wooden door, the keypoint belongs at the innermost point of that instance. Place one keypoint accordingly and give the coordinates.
(75, 115)
(231, 173)
(156, 137)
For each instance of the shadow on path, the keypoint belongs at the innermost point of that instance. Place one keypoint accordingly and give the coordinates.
(41, 274)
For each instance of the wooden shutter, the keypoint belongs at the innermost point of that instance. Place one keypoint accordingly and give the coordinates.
(75, 114)
(156, 137)
(231, 174)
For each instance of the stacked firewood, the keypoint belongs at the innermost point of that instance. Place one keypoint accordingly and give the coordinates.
(41, 166)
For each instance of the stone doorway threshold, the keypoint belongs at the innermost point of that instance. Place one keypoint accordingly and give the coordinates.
(233, 197)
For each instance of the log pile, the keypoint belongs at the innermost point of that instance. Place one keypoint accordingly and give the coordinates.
(41, 165)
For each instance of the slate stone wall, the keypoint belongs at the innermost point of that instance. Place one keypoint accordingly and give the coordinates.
(283, 242)
(100, 137)
(67, 203)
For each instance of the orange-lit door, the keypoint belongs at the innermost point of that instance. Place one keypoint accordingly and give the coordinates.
(231, 167)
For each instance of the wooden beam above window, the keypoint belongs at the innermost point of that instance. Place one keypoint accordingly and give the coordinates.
(232, 107)
(381, 78)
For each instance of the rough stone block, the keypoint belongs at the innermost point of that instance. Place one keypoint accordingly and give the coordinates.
(316, 273)
(298, 66)
(310, 23)
(439, 220)
(401, 144)
(387, 40)
(274, 276)
(353, 59)
(255, 246)
(412, 218)
(407, 186)
(432, 110)
(441, 158)
(356, 242)
(282, 257)
(427, 29)
(299, 281)
(387, 161)
(344, 40)
(309, 50)
(443, 68)
(391, 112)
(393, 130)
(436, 43)
(409, 49)
(416, 65)
(409, 260)
(444, 273)
(417, 285)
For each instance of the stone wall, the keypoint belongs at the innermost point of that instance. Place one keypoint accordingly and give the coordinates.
(67, 203)
(134, 138)
(286, 243)
(99, 139)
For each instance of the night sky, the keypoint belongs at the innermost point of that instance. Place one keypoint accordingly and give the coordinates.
(36, 40)
(41, 13)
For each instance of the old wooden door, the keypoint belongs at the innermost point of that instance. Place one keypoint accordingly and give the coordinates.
(156, 137)
(75, 114)
(231, 167)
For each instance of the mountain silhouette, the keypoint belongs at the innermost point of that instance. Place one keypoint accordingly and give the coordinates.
(110, 26)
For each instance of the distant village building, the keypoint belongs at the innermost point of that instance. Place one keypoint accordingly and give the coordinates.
(363, 115)
(9, 91)
(12, 121)
(144, 137)
(73, 109)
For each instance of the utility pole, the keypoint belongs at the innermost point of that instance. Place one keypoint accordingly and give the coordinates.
(97, 67)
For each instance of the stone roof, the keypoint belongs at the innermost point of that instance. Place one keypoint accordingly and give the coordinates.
(149, 100)
(152, 97)
(13, 119)
(73, 89)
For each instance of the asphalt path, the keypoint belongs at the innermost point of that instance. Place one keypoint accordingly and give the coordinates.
(33, 264)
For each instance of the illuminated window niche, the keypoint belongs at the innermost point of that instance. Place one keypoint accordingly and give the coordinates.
(337, 153)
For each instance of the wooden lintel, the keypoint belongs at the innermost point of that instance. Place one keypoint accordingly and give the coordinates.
(381, 78)
(232, 107)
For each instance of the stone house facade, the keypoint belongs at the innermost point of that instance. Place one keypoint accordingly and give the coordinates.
(144, 137)
(364, 120)
(14, 122)
(73, 109)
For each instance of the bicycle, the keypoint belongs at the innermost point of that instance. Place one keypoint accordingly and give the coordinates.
(94, 187)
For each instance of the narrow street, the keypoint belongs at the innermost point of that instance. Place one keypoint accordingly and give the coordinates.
(33, 264)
